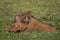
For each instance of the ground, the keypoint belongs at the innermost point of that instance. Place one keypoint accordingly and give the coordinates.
(45, 10)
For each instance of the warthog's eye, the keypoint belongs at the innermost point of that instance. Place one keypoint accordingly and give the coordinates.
(22, 21)
(24, 18)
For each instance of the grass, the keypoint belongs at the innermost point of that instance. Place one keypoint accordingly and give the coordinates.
(45, 10)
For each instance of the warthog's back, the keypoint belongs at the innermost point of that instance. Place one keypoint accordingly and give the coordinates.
(35, 24)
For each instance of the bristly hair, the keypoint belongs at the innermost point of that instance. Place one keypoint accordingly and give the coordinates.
(40, 20)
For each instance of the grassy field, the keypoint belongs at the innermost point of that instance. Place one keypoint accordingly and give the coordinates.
(45, 10)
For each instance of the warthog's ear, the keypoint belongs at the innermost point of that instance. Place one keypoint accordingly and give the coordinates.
(17, 19)
(29, 13)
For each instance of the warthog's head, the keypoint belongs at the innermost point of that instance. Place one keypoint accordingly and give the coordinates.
(21, 22)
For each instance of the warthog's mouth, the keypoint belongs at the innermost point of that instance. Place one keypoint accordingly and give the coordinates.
(14, 31)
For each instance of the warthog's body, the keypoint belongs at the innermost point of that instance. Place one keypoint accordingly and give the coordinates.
(25, 22)
(35, 24)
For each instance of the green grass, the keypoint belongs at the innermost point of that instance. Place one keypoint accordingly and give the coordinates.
(45, 10)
